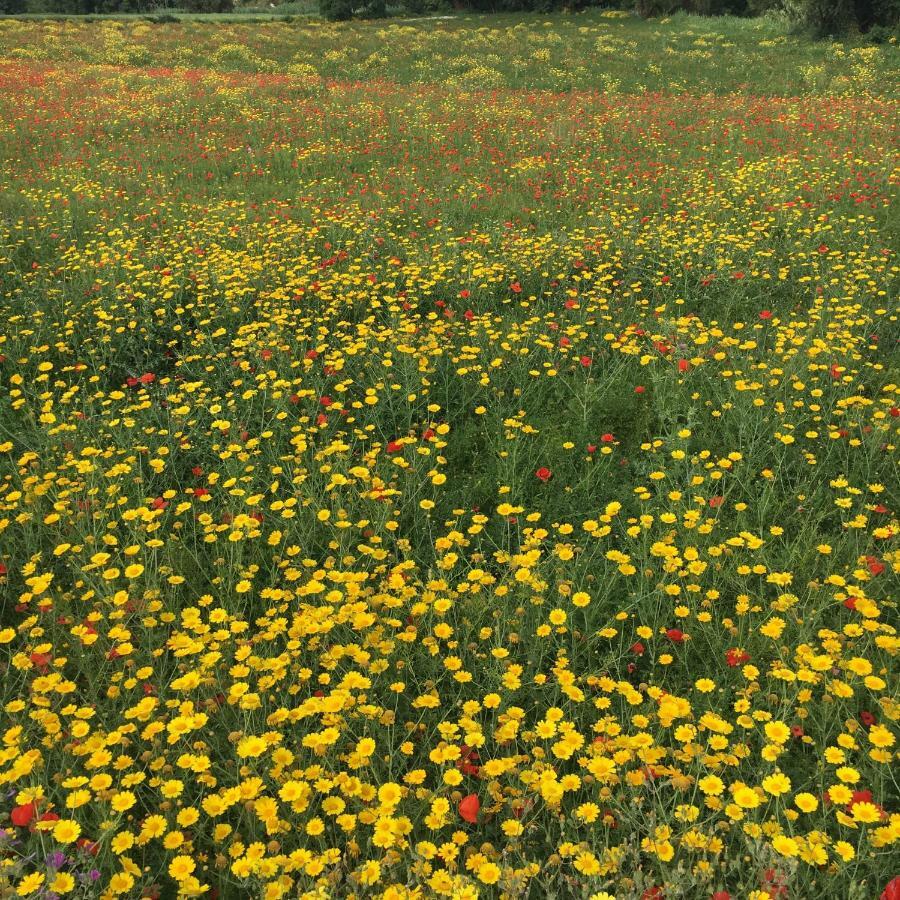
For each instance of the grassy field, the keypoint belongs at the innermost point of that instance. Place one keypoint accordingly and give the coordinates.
(448, 458)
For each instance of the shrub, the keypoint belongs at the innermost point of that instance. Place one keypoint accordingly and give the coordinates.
(884, 14)
(336, 10)
(647, 9)
(209, 6)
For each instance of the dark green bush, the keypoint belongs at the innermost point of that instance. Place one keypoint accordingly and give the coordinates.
(884, 14)
(209, 6)
(648, 9)
(336, 10)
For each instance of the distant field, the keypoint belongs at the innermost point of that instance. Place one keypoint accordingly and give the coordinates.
(448, 458)
(610, 52)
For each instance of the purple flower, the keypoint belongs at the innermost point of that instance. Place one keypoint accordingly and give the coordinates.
(56, 860)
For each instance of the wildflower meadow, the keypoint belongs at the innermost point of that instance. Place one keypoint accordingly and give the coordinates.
(448, 459)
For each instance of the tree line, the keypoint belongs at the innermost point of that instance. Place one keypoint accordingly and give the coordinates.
(820, 17)
(823, 17)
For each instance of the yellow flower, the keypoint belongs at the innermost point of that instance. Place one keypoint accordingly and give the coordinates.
(777, 732)
(370, 873)
(29, 884)
(62, 883)
(488, 873)
(840, 794)
(866, 812)
(806, 802)
(773, 628)
(847, 774)
(711, 784)
(122, 842)
(121, 883)
(880, 736)
(251, 746)
(776, 784)
(123, 801)
(181, 867)
(745, 796)
(785, 846)
(844, 850)
(65, 831)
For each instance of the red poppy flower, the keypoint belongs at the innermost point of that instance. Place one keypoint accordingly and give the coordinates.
(892, 890)
(683, 365)
(607, 438)
(874, 566)
(640, 389)
(591, 448)
(22, 815)
(516, 288)
(675, 635)
(41, 660)
(543, 474)
(721, 895)
(867, 719)
(468, 808)
(736, 657)
(637, 648)
(766, 314)
(586, 361)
